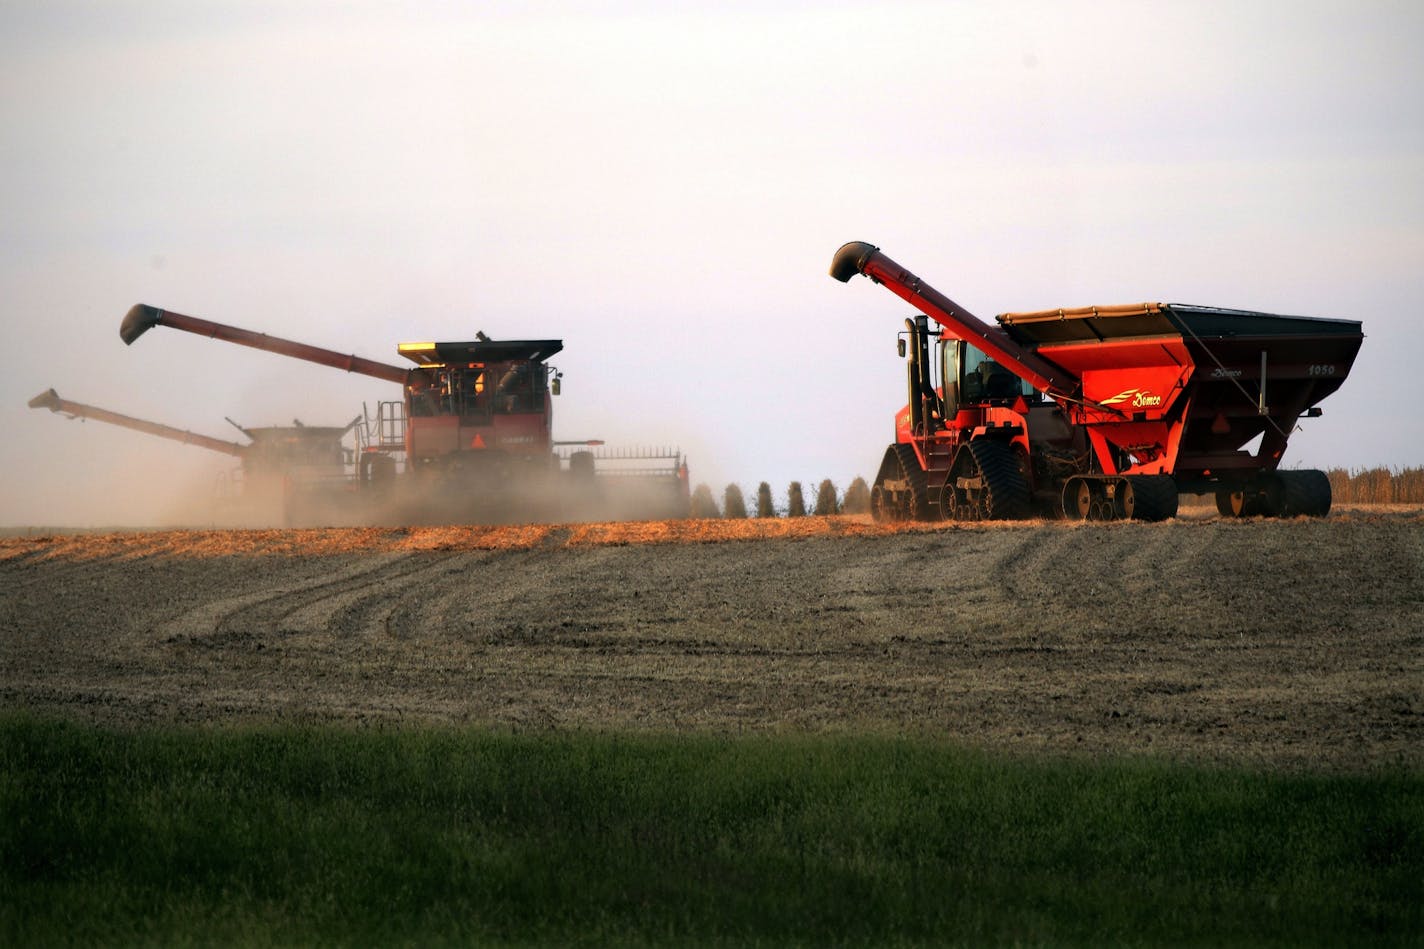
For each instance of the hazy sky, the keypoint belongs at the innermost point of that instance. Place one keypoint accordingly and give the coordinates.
(664, 191)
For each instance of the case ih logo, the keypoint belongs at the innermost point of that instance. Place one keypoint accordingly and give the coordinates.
(1137, 398)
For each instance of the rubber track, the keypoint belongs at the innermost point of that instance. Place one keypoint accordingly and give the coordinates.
(1005, 484)
(919, 486)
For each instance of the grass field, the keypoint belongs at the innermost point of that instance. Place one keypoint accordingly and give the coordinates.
(305, 835)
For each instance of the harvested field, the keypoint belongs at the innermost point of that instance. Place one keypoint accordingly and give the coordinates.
(1282, 643)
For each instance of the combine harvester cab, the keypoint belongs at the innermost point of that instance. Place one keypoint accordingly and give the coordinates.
(471, 439)
(291, 474)
(1102, 412)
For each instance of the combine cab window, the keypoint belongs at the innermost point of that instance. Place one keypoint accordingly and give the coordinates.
(520, 388)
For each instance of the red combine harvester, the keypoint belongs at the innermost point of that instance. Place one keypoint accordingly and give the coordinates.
(1101, 412)
(296, 472)
(474, 432)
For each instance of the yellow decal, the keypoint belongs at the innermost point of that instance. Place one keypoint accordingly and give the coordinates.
(1137, 398)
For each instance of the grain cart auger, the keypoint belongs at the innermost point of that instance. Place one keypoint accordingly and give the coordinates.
(294, 466)
(1100, 412)
(473, 429)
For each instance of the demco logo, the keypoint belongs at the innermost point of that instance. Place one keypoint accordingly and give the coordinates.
(1137, 398)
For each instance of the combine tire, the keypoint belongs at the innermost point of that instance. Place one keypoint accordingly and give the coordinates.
(986, 482)
(1305, 493)
(899, 493)
(582, 467)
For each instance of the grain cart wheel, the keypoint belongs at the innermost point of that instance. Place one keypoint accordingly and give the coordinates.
(1305, 493)
(986, 482)
(1147, 498)
(1237, 503)
(1077, 499)
(1264, 497)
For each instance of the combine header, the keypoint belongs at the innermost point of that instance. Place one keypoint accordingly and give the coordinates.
(472, 437)
(1101, 412)
(300, 470)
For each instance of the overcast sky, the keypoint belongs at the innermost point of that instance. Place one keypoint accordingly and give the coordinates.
(664, 191)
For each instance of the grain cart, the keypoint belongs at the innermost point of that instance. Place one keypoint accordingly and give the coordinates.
(296, 470)
(1100, 412)
(472, 437)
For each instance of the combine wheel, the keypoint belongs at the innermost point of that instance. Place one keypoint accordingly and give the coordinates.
(582, 467)
(986, 482)
(1146, 498)
(1304, 493)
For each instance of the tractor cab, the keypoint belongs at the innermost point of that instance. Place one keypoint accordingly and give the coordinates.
(972, 378)
(963, 376)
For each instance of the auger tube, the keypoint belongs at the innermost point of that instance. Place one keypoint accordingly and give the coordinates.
(860, 257)
(142, 317)
(49, 399)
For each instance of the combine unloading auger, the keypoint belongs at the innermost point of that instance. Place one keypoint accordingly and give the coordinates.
(474, 431)
(289, 473)
(49, 399)
(1102, 412)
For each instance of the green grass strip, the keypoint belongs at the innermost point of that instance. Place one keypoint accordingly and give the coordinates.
(319, 836)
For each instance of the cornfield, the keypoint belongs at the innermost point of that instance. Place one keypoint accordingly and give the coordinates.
(1377, 485)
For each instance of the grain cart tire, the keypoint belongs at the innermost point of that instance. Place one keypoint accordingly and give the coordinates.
(1148, 497)
(1264, 497)
(1241, 502)
(1305, 493)
(1077, 499)
(986, 482)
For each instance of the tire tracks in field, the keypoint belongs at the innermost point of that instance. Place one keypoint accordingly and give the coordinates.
(459, 602)
(341, 605)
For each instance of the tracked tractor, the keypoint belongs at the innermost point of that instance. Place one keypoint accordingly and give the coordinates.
(1100, 413)
(471, 440)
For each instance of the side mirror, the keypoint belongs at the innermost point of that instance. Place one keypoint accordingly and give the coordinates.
(558, 380)
(900, 346)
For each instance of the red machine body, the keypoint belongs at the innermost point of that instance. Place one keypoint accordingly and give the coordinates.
(474, 429)
(1101, 411)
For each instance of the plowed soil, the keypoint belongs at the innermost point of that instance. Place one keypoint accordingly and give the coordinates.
(1293, 643)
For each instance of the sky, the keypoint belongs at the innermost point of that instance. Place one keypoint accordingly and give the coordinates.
(664, 190)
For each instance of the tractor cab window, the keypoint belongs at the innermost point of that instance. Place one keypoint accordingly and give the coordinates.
(983, 379)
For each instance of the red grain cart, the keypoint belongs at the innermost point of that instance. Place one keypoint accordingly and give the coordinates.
(1101, 412)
